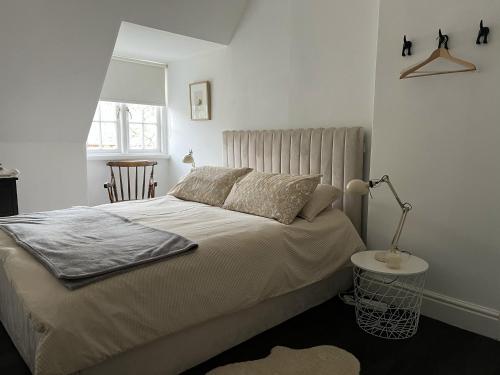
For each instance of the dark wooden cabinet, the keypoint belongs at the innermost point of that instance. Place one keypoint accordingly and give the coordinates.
(8, 196)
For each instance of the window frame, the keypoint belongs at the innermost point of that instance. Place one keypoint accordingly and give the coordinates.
(124, 151)
(119, 149)
(126, 122)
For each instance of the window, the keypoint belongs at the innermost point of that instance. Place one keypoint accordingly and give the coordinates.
(103, 133)
(143, 129)
(119, 128)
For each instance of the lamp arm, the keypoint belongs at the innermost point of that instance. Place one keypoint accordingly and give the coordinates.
(405, 206)
(399, 228)
(385, 178)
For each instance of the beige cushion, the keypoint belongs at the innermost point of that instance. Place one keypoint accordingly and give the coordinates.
(322, 198)
(209, 185)
(272, 195)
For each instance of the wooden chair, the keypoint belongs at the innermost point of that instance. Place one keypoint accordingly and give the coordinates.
(112, 188)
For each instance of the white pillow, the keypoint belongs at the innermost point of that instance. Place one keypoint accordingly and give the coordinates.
(322, 198)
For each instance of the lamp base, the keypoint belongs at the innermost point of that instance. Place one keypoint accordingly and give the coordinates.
(392, 258)
(381, 256)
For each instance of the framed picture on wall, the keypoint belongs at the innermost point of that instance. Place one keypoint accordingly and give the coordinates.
(199, 94)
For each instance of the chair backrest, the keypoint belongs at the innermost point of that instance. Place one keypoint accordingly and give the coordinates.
(117, 193)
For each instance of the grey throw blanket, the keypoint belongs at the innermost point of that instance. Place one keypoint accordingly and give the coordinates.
(81, 245)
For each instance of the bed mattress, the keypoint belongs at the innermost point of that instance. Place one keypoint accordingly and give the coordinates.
(241, 261)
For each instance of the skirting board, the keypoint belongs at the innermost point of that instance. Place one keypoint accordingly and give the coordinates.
(466, 315)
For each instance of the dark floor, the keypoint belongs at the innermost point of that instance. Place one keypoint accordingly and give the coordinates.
(436, 349)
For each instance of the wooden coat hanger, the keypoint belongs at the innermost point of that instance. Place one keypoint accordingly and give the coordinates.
(440, 52)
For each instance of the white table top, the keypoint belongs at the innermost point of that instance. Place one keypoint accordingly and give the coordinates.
(410, 265)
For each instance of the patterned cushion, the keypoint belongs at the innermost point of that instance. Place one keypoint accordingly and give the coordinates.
(209, 185)
(276, 196)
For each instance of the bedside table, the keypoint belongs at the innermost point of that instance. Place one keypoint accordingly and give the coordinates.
(388, 300)
(8, 196)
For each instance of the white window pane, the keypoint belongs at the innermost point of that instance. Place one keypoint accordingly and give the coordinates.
(141, 127)
(96, 114)
(135, 112)
(108, 111)
(109, 136)
(150, 114)
(135, 136)
(150, 137)
(94, 138)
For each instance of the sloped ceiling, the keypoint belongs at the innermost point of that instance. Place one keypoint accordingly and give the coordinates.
(55, 54)
(148, 44)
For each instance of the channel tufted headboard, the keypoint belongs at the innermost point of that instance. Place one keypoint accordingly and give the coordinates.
(336, 153)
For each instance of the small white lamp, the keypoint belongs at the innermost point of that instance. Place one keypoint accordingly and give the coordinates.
(189, 158)
(392, 256)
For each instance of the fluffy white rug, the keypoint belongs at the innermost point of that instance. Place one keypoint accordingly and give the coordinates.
(318, 360)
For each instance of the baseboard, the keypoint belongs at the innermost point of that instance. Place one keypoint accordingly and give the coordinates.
(466, 315)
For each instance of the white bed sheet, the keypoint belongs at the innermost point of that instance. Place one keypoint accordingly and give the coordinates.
(242, 260)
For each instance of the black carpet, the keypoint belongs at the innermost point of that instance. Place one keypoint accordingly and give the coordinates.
(437, 348)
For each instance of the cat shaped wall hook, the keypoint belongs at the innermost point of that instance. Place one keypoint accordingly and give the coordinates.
(483, 33)
(442, 40)
(406, 47)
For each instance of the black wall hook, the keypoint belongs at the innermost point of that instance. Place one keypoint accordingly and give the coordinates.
(406, 47)
(483, 33)
(443, 40)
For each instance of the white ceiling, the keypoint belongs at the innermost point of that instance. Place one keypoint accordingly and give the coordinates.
(144, 43)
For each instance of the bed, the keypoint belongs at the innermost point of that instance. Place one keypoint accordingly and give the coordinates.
(248, 274)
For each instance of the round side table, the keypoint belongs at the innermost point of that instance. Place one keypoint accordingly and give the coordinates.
(388, 300)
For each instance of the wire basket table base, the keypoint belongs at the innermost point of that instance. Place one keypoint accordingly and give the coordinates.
(388, 306)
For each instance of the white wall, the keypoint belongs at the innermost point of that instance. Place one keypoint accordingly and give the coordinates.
(45, 168)
(437, 137)
(290, 64)
(53, 61)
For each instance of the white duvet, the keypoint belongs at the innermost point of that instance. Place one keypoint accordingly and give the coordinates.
(241, 260)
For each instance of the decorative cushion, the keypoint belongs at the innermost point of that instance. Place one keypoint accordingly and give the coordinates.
(321, 199)
(272, 195)
(209, 185)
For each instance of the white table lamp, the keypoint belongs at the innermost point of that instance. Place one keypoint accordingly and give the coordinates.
(392, 256)
(189, 158)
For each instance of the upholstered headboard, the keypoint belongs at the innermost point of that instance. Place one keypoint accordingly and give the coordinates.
(336, 153)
